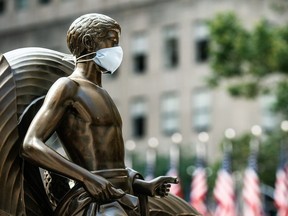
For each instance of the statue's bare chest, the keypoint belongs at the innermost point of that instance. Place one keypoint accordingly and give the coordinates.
(93, 105)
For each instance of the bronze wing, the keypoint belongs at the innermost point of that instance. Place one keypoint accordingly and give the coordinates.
(25, 76)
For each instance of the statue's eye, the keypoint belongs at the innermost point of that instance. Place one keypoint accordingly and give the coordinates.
(114, 41)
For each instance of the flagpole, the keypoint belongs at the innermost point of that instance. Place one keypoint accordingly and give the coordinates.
(130, 147)
(199, 182)
(281, 182)
(176, 139)
(229, 136)
(256, 131)
(201, 146)
(283, 145)
(151, 156)
(174, 153)
(224, 192)
(252, 203)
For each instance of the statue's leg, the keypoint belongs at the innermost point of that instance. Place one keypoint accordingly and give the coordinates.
(79, 202)
(170, 205)
(75, 202)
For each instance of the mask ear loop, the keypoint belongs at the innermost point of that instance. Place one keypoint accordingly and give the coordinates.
(69, 57)
(84, 60)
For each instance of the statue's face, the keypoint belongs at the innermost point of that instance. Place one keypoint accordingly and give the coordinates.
(111, 40)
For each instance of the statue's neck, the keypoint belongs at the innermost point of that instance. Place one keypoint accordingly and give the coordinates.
(89, 71)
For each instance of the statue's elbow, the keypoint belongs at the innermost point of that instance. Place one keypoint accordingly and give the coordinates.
(27, 148)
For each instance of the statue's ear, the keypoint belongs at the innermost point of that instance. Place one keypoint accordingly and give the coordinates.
(88, 42)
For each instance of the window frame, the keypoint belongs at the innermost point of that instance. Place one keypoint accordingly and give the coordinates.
(169, 114)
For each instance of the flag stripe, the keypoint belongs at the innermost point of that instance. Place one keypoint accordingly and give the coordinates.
(199, 188)
(224, 190)
(251, 193)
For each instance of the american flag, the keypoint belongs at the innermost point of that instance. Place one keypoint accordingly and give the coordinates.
(252, 205)
(224, 190)
(175, 189)
(199, 188)
(281, 187)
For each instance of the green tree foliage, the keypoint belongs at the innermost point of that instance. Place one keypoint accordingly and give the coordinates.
(248, 58)
(268, 158)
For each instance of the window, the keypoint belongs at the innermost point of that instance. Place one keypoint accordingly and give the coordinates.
(21, 4)
(201, 42)
(139, 52)
(201, 110)
(170, 113)
(171, 47)
(269, 120)
(139, 115)
(44, 1)
(2, 6)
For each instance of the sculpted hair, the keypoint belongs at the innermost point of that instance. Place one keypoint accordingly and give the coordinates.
(94, 25)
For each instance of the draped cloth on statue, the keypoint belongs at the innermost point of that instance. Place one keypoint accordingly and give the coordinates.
(79, 202)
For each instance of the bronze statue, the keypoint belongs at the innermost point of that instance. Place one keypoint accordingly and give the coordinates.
(82, 117)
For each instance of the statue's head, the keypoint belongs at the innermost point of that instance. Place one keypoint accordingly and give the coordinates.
(87, 33)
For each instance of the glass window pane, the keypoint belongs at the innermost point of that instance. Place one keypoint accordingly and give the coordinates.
(139, 116)
(21, 4)
(171, 46)
(201, 109)
(139, 52)
(44, 1)
(201, 41)
(170, 114)
(2, 6)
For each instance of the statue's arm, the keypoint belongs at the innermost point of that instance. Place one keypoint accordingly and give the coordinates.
(43, 125)
(159, 186)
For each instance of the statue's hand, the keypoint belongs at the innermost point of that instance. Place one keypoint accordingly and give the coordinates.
(101, 189)
(160, 186)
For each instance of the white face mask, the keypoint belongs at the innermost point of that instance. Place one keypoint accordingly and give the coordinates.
(107, 58)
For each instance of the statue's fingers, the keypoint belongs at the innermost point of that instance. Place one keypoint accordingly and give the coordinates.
(164, 192)
(170, 179)
(117, 193)
(98, 194)
(100, 197)
(167, 185)
(107, 194)
(161, 193)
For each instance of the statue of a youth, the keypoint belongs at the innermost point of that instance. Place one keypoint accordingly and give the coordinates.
(88, 124)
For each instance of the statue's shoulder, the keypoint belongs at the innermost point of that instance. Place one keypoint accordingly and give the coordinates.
(63, 87)
(65, 82)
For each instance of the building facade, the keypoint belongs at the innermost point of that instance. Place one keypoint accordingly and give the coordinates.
(160, 87)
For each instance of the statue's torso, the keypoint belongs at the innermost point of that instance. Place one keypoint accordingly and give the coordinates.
(91, 129)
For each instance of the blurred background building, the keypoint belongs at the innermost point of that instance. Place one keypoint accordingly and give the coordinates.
(160, 88)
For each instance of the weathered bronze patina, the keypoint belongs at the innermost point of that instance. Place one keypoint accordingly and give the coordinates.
(80, 115)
